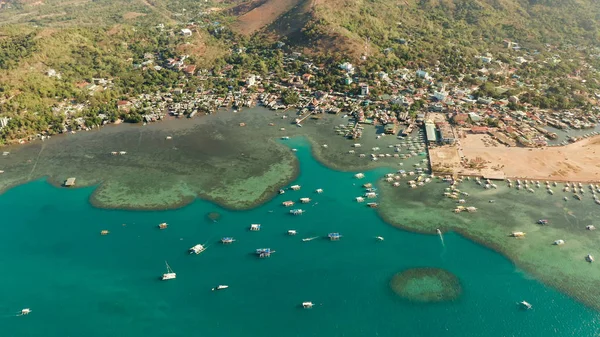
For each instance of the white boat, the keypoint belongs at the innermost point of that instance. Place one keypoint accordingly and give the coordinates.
(371, 195)
(122, 152)
(590, 227)
(309, 239)
(197, 249)
(255, 227)
(360, 199)
(169, 275)
(295, 187)
(291, 232)
(307, 305)
(438, 231)
(281, 191)
(319, 190)
(589, 258)
(517, 234)
(169, 137)
(220, 287)
(227, 239)
(25, 311)
(379, 238)
(359, 175)
(305, 200)
(525, 305)
(296, 211)
(559, 242)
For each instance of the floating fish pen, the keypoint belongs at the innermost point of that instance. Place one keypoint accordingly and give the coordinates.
(163, 225)
(334, 236)
(264, 252)
(227, 240)
(288, 203)
(255, 227)
(104, 232)
(296, 211)
(295, 187)
(305, 200)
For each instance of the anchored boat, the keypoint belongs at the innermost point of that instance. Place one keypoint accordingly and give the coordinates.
(296, 211)
(197, 249)
(264, 252)
(169, 275)
(307, 305)
(227, 239)
(334, 236)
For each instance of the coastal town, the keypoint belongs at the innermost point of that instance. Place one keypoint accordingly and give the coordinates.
(455, 113)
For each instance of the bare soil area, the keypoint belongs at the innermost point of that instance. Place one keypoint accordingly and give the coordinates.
(579, 161)
(263, 15)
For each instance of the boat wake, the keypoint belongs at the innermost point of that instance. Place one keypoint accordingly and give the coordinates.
(441, 237)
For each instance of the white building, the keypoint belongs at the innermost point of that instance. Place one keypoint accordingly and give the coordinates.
(348, 67)
(186, 32)
(251, 80)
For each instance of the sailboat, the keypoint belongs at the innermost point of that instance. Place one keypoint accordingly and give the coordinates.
(169, 275)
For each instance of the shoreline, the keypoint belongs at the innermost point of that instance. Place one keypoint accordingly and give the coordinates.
(590, 303)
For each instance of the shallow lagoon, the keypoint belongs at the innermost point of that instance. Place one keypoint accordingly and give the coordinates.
(79, 282)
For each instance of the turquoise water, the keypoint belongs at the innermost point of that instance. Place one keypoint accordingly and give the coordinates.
(78, 282)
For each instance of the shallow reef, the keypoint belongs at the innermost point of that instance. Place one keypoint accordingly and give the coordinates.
(426, 285)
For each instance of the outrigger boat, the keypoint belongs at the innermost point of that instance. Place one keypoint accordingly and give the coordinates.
(169, 275)
(334, 236)
(307, 305)
(264, 252)
(197, 249)
(309, 239)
